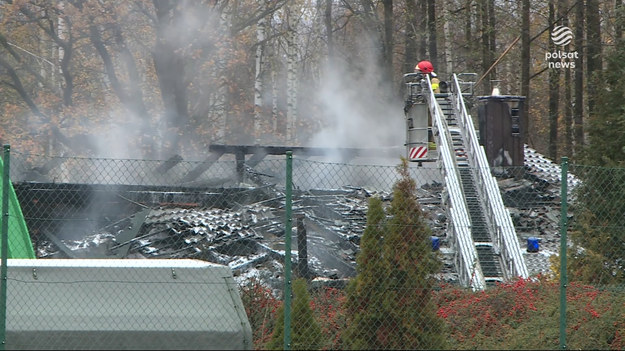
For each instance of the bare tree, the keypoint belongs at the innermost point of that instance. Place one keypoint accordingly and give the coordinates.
(448, 49)
(128, 92)
(329, 28)
(593, 51)
(432, 39)
(468, 23)
(291, 114)
(422, 4)
(170, 69)
(578, 107)
(62, 36)
(567, 103)
(410, 39)
(554, 92)
(487, 19)
(258, 78)
(619, 18)
(388, 40)
(525, 63)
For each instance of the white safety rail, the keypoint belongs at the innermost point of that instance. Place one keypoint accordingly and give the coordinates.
(466, 259)
(503, 234)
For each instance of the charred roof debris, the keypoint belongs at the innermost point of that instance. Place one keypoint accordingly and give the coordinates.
(243, 226)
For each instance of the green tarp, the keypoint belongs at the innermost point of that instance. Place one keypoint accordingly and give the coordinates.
(20, 245)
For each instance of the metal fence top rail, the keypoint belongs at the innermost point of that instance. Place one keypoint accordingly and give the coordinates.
(113, 263)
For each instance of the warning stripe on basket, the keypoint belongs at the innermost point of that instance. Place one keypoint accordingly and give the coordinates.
(419, 152)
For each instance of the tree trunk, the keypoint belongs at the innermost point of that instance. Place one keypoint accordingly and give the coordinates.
(133, 98)
(170, 69)
(618, 22)
(329, 30)
(568, 115)
(291, 84)
(562, 10)
(432, 40)
(374, 32)
(274, 102)
(422, 30)
(554, 92)
(492, 42)
(578, 109)
(388, 41)
(65, 41)
(487, 54)
(61, 34)
(258, 78)
(449, 60)
(411, 36)
(62, 37)
(218, 113)
(525, 65)
(593, 51)
(16, 83)
(468, 33)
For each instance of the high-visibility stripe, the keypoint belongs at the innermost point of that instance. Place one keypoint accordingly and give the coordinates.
(419, 152)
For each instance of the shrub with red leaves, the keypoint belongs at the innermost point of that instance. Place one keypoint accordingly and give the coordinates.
(328, 305)
(525, 314)
(261, 308)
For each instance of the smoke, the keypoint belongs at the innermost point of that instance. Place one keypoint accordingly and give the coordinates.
(357, 110)
(189, 36)
(353, 108)
(119, 139)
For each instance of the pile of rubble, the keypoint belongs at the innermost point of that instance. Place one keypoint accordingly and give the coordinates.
(249, 237)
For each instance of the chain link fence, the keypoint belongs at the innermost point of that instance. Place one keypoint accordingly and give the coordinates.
(371, 260)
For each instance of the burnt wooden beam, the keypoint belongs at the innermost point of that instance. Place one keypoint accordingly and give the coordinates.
(256, 158)
(302, 248)
(307, 151)
(240, 165)
(169, 164)
(202, 167)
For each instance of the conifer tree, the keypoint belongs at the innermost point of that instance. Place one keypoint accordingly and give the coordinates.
(363, 301)
(305, 331)
(411, 314)
(606, 130)
(599, 222)
(389, 300)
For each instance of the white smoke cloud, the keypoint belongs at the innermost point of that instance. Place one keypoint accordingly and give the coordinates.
(357, 111)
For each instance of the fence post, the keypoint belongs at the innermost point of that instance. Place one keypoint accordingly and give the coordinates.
(4, 250)
(287, 250)
(563, 230)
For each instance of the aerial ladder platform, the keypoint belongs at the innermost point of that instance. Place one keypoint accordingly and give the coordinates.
(483, 238)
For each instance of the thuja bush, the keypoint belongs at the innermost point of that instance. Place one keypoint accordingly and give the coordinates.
(388, 303)
(305, 331)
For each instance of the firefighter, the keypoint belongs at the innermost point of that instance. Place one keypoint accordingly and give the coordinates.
(426, 68)
(435, 83)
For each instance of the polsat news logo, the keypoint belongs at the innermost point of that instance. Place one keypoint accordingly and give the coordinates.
(561, 36)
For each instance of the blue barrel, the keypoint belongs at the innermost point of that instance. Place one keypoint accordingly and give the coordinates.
(533, 244)
(436, 243)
